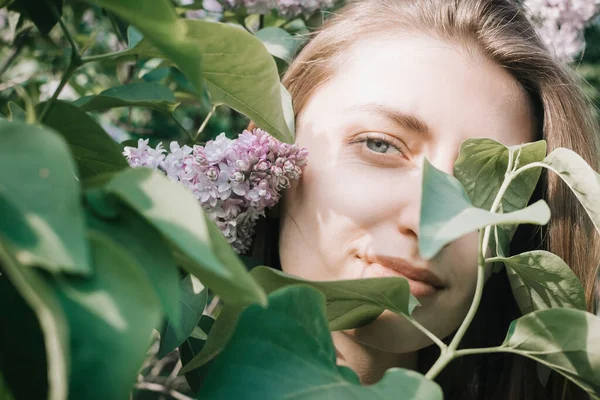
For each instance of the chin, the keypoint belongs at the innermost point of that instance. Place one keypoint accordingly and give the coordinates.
(391, 333)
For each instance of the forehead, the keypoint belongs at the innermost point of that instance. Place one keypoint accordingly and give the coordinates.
(459, 94)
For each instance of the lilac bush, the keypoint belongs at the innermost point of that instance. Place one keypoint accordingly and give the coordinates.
(286, 8)
(561, 23)
(234, 180)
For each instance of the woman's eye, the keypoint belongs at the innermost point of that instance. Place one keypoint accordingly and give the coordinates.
(380, 146)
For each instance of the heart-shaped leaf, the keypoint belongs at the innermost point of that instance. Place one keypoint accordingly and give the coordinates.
(145, 244)
(564, 339)
(239, 72)
(192, 302)
(447, 213)
(139, 94)
(541, 280)
(111, 316)
(286, 351)
(94, 150)
(41, 12)
(481, 167)
(176, 214)
(350, 304)
(45, 224)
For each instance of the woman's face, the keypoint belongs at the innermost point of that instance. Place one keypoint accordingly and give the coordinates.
(355, 212)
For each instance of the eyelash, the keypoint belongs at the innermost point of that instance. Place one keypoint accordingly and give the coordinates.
(393, 142)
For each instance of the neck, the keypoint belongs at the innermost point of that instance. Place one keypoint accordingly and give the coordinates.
(368, 362)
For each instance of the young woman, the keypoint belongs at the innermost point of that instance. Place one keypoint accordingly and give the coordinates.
(383, 85)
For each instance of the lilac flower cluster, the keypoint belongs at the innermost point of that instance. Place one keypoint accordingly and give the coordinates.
(286, 8)
(560, 24)
(234, 180)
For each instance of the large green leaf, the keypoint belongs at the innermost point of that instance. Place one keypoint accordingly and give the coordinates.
(94, 150)
(144, 243)
(139, 94)
(111, 316)
(350, 304)
(192, 302)
(540, 280)
(34, 339)
(41, 13)
(160, 25)
(447, 213)
(45, 224)
(239, 72)
(481, 167)
(176, 214)
(566, 340)
(581, 178)
(286, 351)
(279, 42)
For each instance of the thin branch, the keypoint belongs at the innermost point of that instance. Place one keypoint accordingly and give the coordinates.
(73, 64)
(19, 45)
(205, 122)
(157, 388)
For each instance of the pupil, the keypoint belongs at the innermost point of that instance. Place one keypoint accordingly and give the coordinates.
(377, 145)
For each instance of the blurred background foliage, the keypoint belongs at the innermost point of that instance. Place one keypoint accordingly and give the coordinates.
(31, 66)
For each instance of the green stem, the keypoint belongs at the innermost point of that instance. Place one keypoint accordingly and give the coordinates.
(106, 56)
(468, 352)
(75, 51)
(73, 64)
(65, 78)
(430, 335)
(204, 123)
(484, 238)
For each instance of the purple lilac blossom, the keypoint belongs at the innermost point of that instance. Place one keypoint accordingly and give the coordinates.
(233, 180)
(560, 24)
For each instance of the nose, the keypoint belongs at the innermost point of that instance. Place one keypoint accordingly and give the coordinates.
(409, 217)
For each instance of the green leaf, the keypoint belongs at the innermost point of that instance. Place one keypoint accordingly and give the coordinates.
(350, 304)
(202, 249)
(581, 178)
(566, 340)
(140, 94)
(111, 316)
(192, 301)
(94, 150)
(192, 347)
(35, 339)
(40, 12)
(45, 224)
(279, 43)
(541, 280)
(16, 113)
(133, 37)
(291, 355)
(144, 243)
(161, 26)
(481, 167)
(239, 72)
(447, 213)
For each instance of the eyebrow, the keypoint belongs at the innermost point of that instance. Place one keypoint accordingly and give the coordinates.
(405, 120)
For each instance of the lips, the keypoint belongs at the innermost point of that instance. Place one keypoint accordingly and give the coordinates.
(422, 282)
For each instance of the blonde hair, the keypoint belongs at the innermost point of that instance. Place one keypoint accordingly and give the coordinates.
(499, 30)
